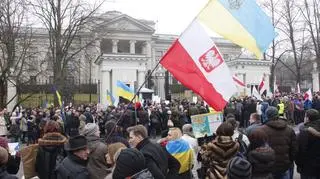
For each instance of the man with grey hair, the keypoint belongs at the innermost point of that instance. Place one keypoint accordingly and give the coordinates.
(193, 142)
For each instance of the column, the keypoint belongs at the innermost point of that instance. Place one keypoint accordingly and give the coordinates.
(245, 82)
(141, 77)
(105, 85)
(132, 46)
(315, 77)
(115, 46)
(11, 94)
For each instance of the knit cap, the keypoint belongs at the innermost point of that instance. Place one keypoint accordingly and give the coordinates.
(90, 129)
(239, 168)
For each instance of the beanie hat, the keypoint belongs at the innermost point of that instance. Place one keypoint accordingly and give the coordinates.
(312, 114)
(90, 129)
(238, 168)
(3, 156)
(4, 143)
(129, 162)
(271, 112)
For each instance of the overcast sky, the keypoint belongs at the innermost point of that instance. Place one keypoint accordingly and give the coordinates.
(171, 16)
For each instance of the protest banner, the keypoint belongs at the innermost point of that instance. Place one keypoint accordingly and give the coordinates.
(206, 124)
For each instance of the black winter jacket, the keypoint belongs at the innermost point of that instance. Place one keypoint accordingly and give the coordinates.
(72, 167)
(50, 154)
(282, 139)
(156, 158)
(308, 158)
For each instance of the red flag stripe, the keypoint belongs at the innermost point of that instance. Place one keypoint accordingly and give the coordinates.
(238, 81)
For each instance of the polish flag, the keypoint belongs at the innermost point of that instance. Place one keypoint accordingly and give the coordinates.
(298, 88)
(238, 81)
(196, 62)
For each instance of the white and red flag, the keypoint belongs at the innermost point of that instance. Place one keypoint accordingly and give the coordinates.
(238, 81)
(196, 62)
(262, 86)
(298, 88)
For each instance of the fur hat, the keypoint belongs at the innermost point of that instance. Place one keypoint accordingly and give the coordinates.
(129, 162)
(76, 143)
(238, 168)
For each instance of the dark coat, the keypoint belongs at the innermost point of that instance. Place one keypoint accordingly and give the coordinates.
(50, 153)
(262, 160)
(72, 167)
(97, 165)
(308, 158)
(13, 164)
(4, 174)
(282, 140)
(156, 158)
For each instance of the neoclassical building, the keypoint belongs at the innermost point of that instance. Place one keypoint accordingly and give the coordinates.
(125, 49)
(130, 48)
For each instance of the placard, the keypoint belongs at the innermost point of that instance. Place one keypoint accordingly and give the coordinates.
(206, 124)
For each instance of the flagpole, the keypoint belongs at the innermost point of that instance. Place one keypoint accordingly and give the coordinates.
(149, 75)
(133, 98)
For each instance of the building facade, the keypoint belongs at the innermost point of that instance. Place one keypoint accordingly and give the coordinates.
(126, 49)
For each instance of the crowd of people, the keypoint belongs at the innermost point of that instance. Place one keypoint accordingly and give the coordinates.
(256, 140)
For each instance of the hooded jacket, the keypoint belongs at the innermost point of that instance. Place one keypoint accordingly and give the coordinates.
(262, 159)
(308, 157)
(282, 140)
(50, 153)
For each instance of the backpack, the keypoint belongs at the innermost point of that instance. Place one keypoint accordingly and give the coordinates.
(243, 148)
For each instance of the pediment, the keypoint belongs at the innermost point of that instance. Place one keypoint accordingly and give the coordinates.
(126, 23)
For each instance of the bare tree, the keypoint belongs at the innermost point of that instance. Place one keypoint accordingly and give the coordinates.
(66, 22)
(311, 13)
(15, 40)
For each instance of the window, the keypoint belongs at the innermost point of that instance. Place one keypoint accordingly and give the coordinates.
(33, 80)
(123, 46)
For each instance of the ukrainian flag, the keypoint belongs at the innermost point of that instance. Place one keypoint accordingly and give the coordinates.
(124, 91)
(240, 21)
(110, 98)
(180, 150)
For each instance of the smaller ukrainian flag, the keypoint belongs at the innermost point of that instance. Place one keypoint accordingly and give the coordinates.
(110, 98)
(124, 91)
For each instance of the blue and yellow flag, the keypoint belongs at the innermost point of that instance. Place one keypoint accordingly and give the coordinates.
(110, 98)
(241, 21)
(124, 91)
(181, 150)
(59, 98)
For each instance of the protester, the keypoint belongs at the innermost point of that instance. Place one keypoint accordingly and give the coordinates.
(112, 149)
(239, 168)
(260, 155)
(308, 157)
(74, 166)
(98, 150)
(216, 155)
(255, 122)
(131, 164)
(13, 164)
(193, 142)
(51, 151)
(156, 157)
(3, 161)
(283, 140)
(181, 150)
